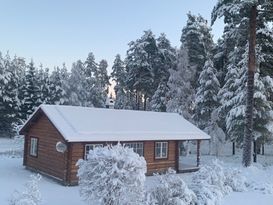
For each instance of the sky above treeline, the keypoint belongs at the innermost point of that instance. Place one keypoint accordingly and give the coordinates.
(56, 31)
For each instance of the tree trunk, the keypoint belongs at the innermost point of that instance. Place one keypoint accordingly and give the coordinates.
(137, 101)
(263, 149)
(255, 151)
(145, 102)
(250, 89)
(233, 148)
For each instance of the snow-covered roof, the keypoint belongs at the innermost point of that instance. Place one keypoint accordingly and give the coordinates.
(78, 124)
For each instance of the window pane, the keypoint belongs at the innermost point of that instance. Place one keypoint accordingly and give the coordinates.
(161, 149)
(89, 147)
(33, 146)
(136, 146)
(164, 152)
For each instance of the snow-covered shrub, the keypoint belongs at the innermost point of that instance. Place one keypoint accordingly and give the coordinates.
(171, 190)
(235, 180)
(212, 182)
(18, 141)
(112, 175)
(209, 184)
(206, 194)
(30, 196)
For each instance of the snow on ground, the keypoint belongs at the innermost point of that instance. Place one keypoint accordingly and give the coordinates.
(13, 176)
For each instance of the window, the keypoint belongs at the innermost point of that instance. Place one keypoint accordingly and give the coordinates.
(161, 150)
(33, 146)
(89, 147)
(137, 147)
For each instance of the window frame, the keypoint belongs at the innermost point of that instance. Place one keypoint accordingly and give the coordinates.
(161, 150)
(33, 147)
(94, 145)
(129, 144)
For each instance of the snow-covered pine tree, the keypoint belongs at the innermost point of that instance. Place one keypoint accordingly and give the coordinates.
(140, 64)
(56, 91)
(159, 101)
(206, 97)
(103, 77)
(166, 62)
(235, 104)
(262, 109)
(119, 77)
(181, 93)
(10, 95)
(65, 83)
(44, 85)
(237, 14)
(197, 38)
(30, 91)
(77, 92)
(5, 121)
(96, 81)
(101, 84)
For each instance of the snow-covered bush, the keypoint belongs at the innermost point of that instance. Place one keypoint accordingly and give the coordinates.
(112, 175)
(206, 193)
(209, 184)
(30, 196)
(171, 190)
(235, 180)
(212, 182)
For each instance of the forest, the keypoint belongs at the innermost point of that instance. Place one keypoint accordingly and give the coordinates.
(203, 80)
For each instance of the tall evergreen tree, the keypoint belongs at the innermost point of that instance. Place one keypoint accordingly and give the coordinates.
(56, 92)
(206, 97)
(181, 93)
(197, 38)
(77, 92)
(119, 77)
(140, 65)
(166, 62)
(30, 91)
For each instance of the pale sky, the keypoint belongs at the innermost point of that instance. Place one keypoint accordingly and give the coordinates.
(56, 31)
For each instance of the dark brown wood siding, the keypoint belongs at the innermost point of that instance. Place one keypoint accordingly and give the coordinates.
(48, 161)
(153, 165)
(159, 165)
(77, 152)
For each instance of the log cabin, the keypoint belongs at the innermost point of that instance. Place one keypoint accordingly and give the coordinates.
(57, 136)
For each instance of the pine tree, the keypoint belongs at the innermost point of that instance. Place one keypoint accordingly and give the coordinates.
(119, 77)
(197, 38)
(206, 97)
(181, 93)
(44, 85)
(77, 92)
(65, 83)
(140, 64)
(56, 91)
(5, 97)
(159, 101)
(30, 91)
(257, 14)
(96, 81)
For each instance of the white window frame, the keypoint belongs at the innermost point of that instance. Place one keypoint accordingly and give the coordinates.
(33, 146)
(160, 146)
(138, 147)
(89, 147)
